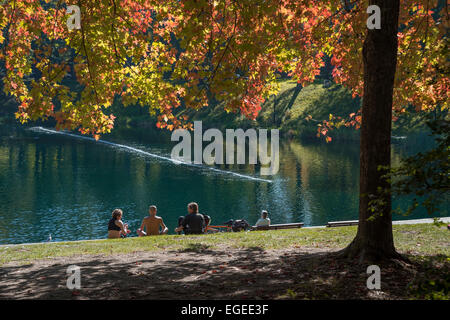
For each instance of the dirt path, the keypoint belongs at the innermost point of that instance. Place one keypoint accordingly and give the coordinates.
(201, 273)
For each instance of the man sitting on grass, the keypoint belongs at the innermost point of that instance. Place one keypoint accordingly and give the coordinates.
(264, 221)
(193, 223)
(151, 225)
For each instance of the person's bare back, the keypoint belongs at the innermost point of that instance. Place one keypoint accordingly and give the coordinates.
(151, 224)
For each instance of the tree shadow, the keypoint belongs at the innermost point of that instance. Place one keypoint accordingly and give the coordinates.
(295, 94)
(197, 247)
(200, 272)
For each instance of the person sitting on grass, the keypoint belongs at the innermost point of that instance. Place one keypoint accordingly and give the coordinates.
(116, 228)
(264, 221)
(152, 225)
(193, 223)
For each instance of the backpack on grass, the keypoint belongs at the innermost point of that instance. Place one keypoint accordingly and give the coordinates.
(238, 225)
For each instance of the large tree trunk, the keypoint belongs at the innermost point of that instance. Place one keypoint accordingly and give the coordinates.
(374, 240)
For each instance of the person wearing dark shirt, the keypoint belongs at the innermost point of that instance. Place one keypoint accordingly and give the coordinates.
(193, 223)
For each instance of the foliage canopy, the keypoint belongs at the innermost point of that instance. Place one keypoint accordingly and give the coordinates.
(170, 55)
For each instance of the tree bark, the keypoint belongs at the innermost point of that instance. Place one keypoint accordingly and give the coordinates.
(374, 239)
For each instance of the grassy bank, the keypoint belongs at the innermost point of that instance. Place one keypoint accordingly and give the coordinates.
(288, 264)
(288, 110)
(420, 239)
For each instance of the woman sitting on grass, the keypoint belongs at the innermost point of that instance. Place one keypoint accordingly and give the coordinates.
(116, 228)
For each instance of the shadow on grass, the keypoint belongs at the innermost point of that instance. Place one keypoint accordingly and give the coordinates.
(197, 247)
(199, 272)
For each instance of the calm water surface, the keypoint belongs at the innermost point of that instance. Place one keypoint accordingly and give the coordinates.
(67, 187)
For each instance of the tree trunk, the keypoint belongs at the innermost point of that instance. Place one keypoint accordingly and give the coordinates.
(374, 239)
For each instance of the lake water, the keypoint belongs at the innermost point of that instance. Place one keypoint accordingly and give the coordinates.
(67, 187)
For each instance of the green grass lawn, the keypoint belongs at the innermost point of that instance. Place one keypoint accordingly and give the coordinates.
(421, 239)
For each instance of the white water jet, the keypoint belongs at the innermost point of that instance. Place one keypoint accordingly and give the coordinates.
(121, 146)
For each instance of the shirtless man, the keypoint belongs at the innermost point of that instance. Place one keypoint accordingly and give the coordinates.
(151, 225)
